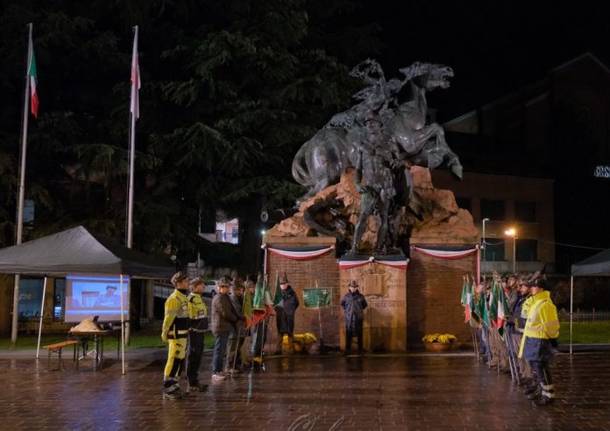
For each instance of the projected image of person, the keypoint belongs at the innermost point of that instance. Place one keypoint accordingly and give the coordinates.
(109, 299)
(96, 295)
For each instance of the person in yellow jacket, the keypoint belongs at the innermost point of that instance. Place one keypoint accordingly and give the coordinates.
(539, 340)
(175, 332)
(198, 315)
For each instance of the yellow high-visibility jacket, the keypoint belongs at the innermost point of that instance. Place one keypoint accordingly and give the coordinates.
(176, 320)
(542, 321)
(198, 312)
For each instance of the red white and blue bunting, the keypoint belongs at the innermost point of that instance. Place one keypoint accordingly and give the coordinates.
(446, 254)
(452, 254)
(400, 263)
(302, 253)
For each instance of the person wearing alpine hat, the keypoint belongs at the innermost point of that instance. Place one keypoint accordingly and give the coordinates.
(540, 340)
(353, 304)
(285, 311)
(174, 332)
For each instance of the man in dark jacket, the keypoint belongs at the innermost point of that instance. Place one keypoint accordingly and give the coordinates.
(285, 310)
(353, 304)
(515, 326)
(238, 335)
(224, 320)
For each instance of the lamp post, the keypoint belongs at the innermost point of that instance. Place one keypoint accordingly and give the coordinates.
(483, 244)
(512, 232)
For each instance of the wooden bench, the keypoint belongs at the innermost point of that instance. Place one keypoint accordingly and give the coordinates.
(56, 348)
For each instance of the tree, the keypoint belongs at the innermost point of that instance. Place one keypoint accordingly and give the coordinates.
(231, 89)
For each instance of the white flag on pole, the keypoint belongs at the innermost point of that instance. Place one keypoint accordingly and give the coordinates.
(134, 107)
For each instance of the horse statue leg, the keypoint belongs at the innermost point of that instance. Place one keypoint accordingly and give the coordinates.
(435, 151)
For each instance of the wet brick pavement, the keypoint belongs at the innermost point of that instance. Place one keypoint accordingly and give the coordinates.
(307, 393)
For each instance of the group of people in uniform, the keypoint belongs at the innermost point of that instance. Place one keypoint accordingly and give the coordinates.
(186, 320)
(525, 343)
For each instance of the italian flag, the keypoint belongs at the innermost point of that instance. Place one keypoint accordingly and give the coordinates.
(502, 309)
(32, 77)
(465, 300)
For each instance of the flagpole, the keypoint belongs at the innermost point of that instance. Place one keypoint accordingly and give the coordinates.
(132, 135)
(21, 196)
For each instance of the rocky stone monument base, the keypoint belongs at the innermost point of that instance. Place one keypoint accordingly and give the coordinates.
(400, 312)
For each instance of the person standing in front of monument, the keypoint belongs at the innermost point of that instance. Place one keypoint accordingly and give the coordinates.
(224, 320)
(353, 304)
(539, 340)
(285, 311)
(174, 332)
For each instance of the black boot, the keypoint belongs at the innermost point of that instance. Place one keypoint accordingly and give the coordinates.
(535, 393)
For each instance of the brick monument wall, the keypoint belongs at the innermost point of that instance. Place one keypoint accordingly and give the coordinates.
(433, 297)
(304, 274)
(385, 319)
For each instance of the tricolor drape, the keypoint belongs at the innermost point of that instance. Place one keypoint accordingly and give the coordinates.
(451, 254)
(296, 253)
(394, 262)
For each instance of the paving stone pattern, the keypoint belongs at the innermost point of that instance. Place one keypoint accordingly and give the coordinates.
(307, 393)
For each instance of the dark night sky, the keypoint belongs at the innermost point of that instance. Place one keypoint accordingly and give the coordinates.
(494, 47)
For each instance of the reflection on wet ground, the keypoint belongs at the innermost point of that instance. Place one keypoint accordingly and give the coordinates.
(308, 393)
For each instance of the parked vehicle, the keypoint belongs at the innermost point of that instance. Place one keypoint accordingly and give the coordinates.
(210, 289)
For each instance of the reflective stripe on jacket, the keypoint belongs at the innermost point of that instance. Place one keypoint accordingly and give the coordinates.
(176, 320)
(542, 321)
(198, 312)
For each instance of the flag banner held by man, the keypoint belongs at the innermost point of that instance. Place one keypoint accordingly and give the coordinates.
(262, 306)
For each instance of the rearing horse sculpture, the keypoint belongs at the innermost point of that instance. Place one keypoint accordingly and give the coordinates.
(321, 160)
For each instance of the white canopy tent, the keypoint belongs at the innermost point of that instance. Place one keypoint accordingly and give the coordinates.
(77, 251)
(597, 265)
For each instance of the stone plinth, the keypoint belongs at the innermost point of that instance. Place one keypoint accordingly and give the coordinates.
(385, 319)
(305, 274)
(395, 318)
(435, 287)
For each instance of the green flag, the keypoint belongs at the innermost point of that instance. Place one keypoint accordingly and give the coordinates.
(316, 298)
(483, 311)
(471, 301)
(258, 303)
(493, 302)
(463, 296)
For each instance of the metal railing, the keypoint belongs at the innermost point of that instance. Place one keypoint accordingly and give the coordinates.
(585, 316)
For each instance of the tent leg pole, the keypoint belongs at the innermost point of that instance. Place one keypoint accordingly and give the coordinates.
(44, 294)
(122, 325)
(15, 320)
(571, 310)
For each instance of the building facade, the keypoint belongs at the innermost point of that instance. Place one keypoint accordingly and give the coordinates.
(556, 128)
(508, 202)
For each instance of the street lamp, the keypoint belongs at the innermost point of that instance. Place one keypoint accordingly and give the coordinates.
(483, 245)
(512, 232)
